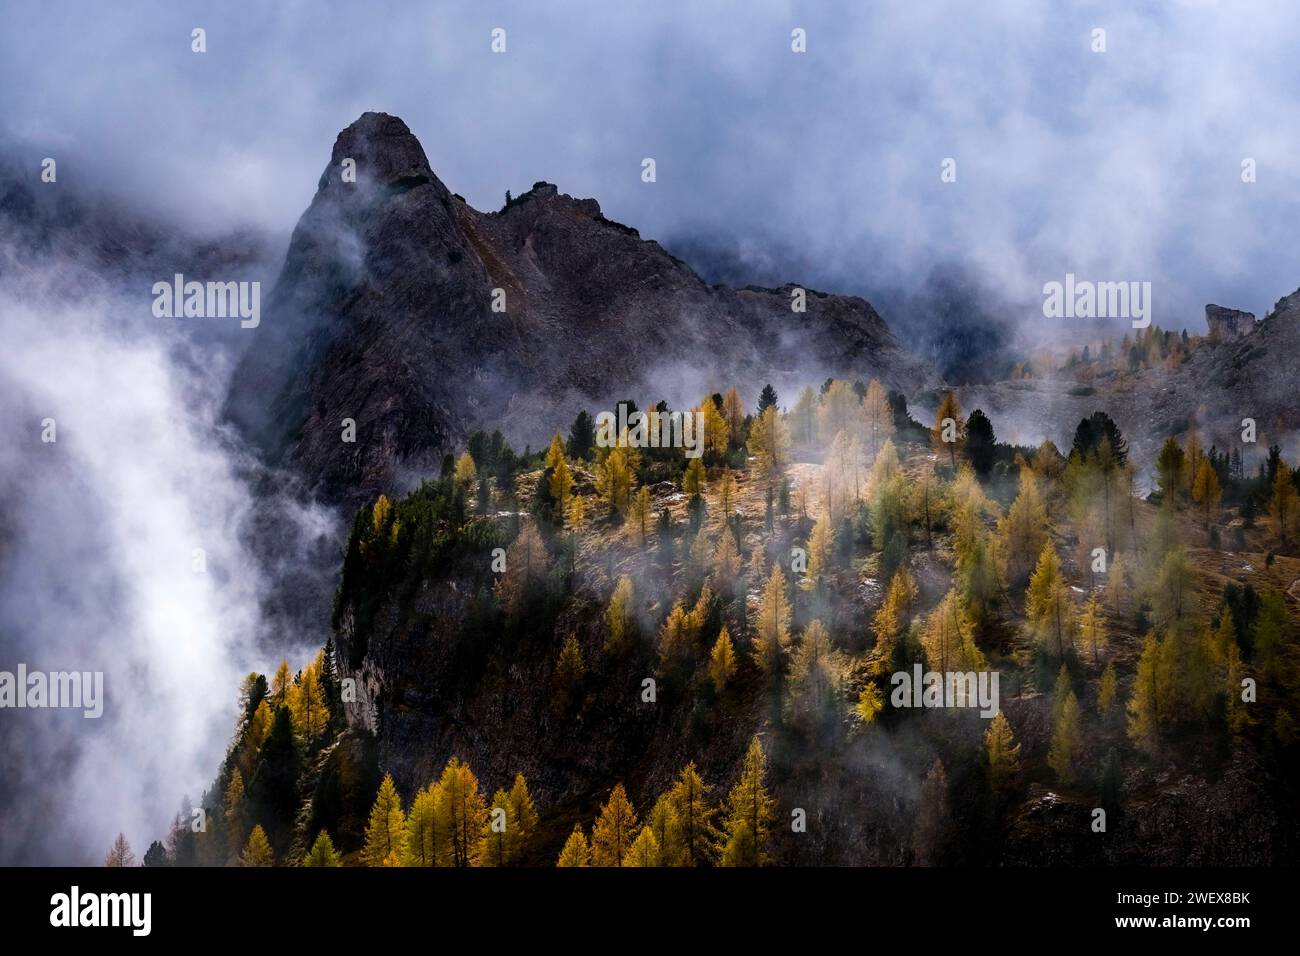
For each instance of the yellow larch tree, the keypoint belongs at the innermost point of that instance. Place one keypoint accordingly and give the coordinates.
(614, 831)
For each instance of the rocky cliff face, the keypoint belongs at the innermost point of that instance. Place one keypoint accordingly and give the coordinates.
(1226, 325)
(384, 314)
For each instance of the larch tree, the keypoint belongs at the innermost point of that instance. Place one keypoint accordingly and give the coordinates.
(1107, 691)
(614, 480)
(322, 852)
(733, 410)
(614, 831)
(1067, 740)
(1047, 604)
(561, 484)
(466, 470)
(522, 817)
(620, 617)
(726, 568)
(386, 828)
(717, 433)
(772, 622)
(891, 618)
(1022, 531)
(570, 669)
(576, 851)
(750, 812)
(933, 824)
(1282, 504)
(496, 832)
(527, 565)
(769, 443)
(726, 495)
(878, 416)
(310, 714)
(722, 661)
(821, 547)
(1093, 628)
(644, 850)
(257, 852)
(280, 685)
(428, 832)
(840, 412)
(120, 853)
(949, 428)
(464, 810)
(1170, 465)
(1003, 754)
(667, 829)
(814, 688)
(803, 419)
(638, 515)
(1143, 704)
(1207, 492)
(695, 817)
(693, 478)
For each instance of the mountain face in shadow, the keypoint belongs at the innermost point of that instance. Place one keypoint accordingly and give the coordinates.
(405, 310)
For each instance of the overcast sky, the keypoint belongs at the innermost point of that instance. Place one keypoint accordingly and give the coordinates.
(1117, 165)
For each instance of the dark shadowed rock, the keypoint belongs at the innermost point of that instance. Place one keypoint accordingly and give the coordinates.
(383, 314)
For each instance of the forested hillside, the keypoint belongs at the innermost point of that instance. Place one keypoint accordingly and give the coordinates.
(621, 656)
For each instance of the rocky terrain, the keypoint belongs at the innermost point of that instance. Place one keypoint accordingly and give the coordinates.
(384, 314)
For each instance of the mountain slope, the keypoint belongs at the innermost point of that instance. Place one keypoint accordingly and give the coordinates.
(383, 314)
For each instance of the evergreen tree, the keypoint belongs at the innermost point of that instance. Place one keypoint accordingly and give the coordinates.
(766, 399)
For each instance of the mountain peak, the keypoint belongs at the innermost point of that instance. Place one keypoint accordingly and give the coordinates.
(384, 150)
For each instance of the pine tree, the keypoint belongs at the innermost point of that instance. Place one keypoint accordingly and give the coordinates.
(257, 852)
(1003, 755)
(750, 811)
(614, 831)
(386, 830)
(575, 852)
(772, 623)
(1067, 740)
(1169, 469)
(120, 854)
(322, 852)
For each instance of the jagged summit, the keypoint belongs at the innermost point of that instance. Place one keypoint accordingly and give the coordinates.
(383, 314)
